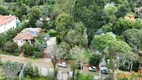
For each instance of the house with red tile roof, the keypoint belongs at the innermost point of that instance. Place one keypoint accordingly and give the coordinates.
(26, 35)
(7, 22)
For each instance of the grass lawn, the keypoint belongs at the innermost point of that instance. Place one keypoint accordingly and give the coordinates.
(35, 78)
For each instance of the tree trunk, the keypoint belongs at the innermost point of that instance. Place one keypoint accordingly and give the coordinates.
(54, 66)
(112, 75)
(73, 74)
(131, 66)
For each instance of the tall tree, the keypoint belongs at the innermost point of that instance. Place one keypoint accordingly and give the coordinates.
(34, 15)
(63, 24)
(116, 54)
(66, 6)
(89, 13)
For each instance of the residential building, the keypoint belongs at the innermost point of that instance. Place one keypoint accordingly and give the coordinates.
(7, 22)
(27, 35)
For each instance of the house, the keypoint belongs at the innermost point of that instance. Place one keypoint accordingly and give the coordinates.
(27, 35)
(7, 22)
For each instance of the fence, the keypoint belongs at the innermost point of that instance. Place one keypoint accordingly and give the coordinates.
(21, 74)
(61, 75)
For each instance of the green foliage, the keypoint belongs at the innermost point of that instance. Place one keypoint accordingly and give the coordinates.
(52, 33)
(2, 75)
(11, 34)
(66, 6)
(3, 10)
(1, 63)
(10, 47)
(107, 27)
(38, 54)
(63, 24)
(31, 71)
(64, 48)
(95, 59)
(28, 49)
(109, 14)
(38, 45)
(123, 24)
(81, 76)
(133, 38)
(34, 15)
(100, 42)
(133, 76)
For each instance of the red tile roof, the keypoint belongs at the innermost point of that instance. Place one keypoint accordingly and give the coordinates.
(6, 19)
(25, 34)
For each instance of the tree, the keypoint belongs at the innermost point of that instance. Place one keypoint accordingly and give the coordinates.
(10, 47)
(57, 52)
(63, 49)
(66, 6)
(3, 10)
(100, 42)
(121, 25)
(109, 14)
(78, 54)
(95, 59)
(38, 45)
(116, 54)
(63, 24)
(88, 12)
(34, 15)
(133, 38)
(77, 36)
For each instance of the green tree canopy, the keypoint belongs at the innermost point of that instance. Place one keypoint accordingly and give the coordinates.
(63, 24)
(100, 42)
(133, 38)
(34, 15)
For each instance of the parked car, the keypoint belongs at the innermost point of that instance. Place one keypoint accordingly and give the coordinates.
(104, 69)
(45, 45)
(62, 64)
(78, 66)
(92, 68)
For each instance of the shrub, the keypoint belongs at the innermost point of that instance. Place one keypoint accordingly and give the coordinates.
(28, 49)
(2, 75)
(38, 45)
(81, 76)
(10, 47)
(52, 33)
(38, 55)
(31, 71)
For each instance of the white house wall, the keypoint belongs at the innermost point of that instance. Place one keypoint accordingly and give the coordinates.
(20, 42)
(7, 26)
